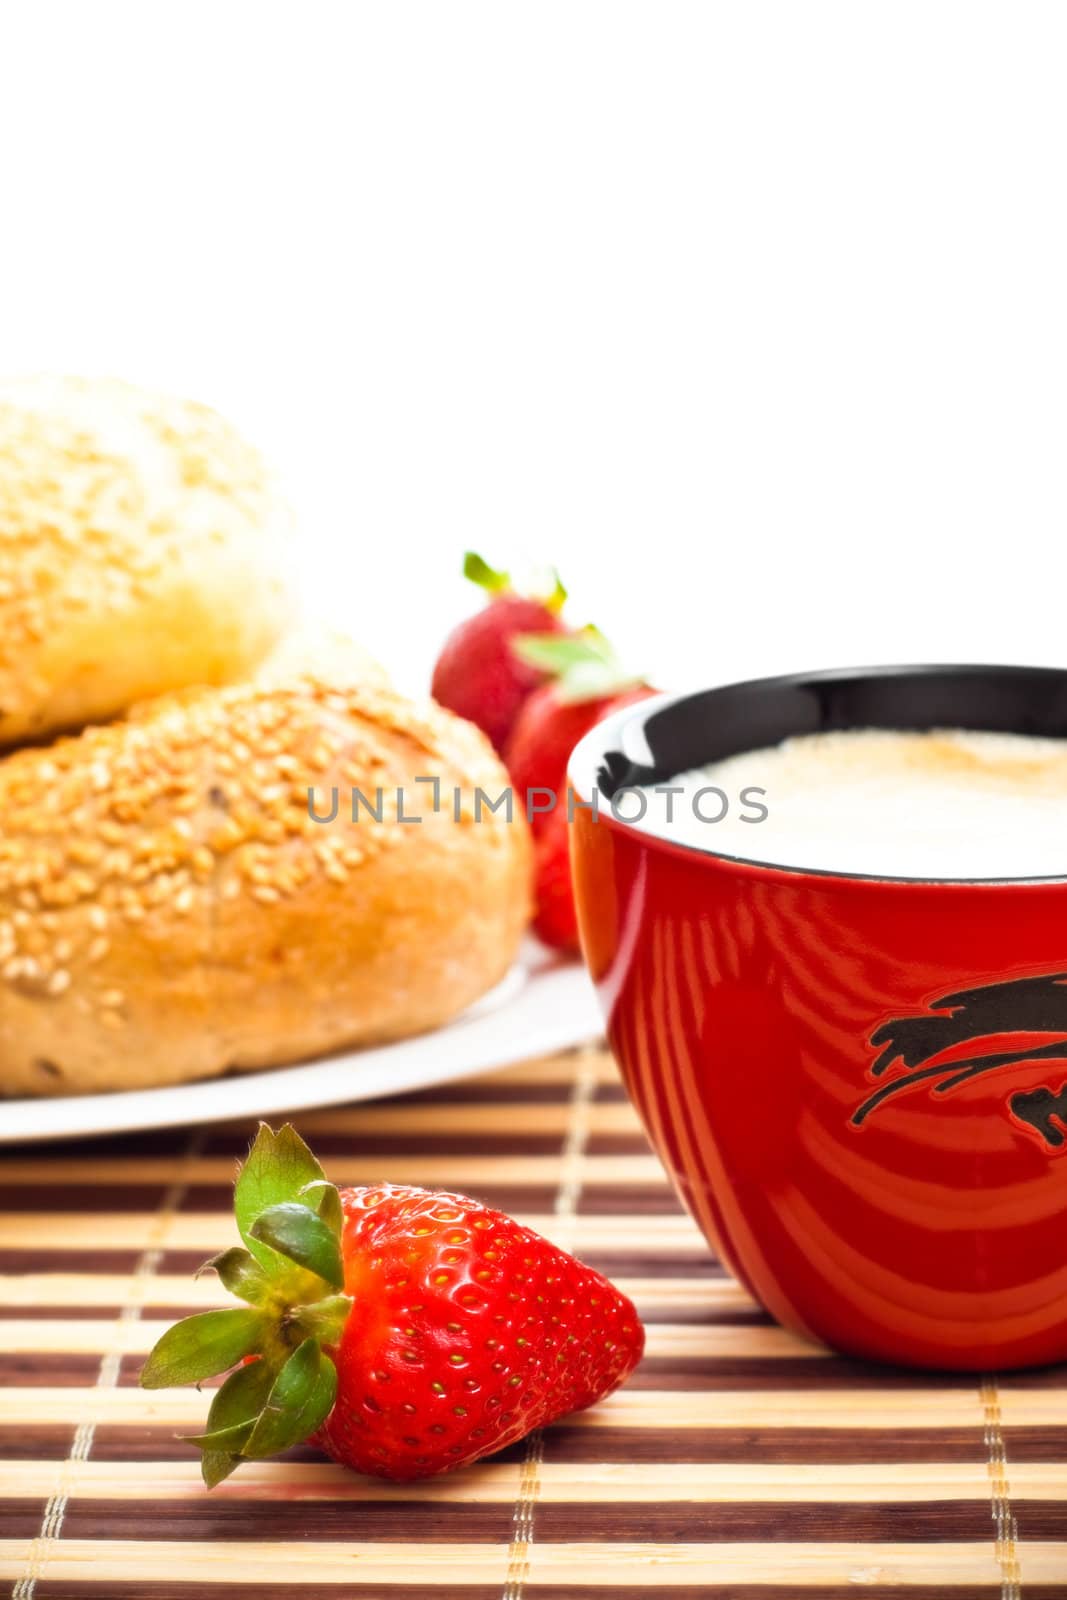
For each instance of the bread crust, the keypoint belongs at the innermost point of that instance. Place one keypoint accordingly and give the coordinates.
(169, 909)
(141, 550)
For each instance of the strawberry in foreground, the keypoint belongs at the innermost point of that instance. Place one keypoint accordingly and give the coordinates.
(478, 675)
(405, 1333)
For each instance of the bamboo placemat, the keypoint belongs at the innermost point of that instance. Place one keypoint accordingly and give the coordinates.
(738, 1463)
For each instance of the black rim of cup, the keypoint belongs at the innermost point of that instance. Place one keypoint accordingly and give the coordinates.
(649, 743)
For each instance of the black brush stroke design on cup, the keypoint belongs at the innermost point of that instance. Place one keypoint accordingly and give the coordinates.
(1022, 1005)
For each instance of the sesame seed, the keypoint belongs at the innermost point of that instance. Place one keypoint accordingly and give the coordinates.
(121, 819)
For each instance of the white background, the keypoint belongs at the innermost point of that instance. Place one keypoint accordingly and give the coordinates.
(753, 317)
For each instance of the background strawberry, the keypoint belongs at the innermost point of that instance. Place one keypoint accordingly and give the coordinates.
(406, 1333)
(588, 683)
(536, 688)
(555, 915)
(478, 675)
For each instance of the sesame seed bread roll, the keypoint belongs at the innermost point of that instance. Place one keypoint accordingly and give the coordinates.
(140, 551)
(169, 909)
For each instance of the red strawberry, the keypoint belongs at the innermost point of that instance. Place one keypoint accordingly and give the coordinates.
(555, 918)
(406, 1333)
(478, 676)
(589, 683)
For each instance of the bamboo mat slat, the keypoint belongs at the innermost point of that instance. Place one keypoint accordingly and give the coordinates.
(740, 1462)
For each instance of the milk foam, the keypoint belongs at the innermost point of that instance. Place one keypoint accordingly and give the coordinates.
(943, 804)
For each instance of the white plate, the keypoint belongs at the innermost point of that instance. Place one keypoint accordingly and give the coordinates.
(542, 1005)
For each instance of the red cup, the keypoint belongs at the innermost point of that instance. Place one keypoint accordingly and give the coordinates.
(858, 1084)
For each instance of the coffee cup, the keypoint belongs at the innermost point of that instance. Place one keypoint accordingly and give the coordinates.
(857, 1079)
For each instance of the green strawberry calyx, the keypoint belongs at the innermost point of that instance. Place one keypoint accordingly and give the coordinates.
(583, 665)
(543, 585)
(291, 1277)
